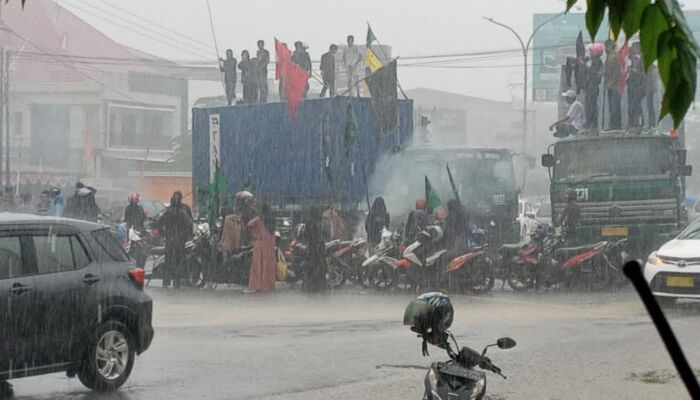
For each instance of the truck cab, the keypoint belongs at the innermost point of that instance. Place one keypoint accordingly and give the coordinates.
(627, 184)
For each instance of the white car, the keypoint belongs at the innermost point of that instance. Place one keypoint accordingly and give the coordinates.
(673, 271)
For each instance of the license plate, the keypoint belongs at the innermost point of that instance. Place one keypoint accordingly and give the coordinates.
(680, 281)
(614, 231)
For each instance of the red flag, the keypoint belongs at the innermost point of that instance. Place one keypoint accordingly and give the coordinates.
(284, 58)
(623, 63)
(295, 78)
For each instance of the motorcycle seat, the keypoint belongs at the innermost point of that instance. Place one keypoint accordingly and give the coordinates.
(158, 251)
(572, 251)
(513, 248)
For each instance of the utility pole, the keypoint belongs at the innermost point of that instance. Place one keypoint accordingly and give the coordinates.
(525, 47)
(7, 119)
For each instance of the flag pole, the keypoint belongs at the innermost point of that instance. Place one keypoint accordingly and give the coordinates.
(452, 183)
(385, 56)
(216, 46)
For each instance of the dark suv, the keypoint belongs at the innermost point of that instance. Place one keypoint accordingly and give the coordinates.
(70, 300)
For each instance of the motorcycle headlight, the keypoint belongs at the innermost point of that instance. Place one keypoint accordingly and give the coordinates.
(479, 388)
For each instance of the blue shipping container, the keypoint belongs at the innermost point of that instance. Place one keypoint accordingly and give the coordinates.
(286, 159)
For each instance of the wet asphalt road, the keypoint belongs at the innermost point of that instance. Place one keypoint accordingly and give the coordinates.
(352, 345)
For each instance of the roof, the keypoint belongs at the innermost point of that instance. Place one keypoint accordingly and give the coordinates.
(49, 44)
(430, 98)
(7, 218)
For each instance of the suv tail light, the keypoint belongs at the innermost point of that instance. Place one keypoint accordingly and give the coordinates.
(137, 275)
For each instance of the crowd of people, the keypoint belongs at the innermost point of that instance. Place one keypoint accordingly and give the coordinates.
(254, 71)
(622, 69)
(80, 205)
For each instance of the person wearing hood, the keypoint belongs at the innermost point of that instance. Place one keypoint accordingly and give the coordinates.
(456, 228)
(314, 268)
(263, 265)
(377, 219)
(176, 222)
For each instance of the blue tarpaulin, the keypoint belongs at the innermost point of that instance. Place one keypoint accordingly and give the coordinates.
(285, 160)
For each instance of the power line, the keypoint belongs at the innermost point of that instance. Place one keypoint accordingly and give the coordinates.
(111, 21)
(151, 22)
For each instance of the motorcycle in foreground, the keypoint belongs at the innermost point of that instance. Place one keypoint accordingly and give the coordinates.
(458, 378)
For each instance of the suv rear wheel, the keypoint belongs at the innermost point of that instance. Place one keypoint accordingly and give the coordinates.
(110, 358)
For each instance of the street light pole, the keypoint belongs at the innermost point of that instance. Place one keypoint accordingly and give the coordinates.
(525, 48)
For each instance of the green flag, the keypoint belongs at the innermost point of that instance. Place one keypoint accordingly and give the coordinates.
(216, 190)
(351, 129)
(370, 36)
(431, 197)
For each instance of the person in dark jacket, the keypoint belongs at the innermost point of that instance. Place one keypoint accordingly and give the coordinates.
(328, 71)
(228, 67)
(594, 75)
(570, 215)
(176, 222)
(301, 58)
(315, 259)
(83, 206)
(249, 78)
(417, 220)
(456, 228)
(72, 204)
(263, 58)
(377, 219)
(636, 87)
(134, 215)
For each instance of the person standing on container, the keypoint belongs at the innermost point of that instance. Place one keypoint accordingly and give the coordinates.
(228, 67)
(301, 58)
(328, 71)
(352, 59)
(263, 57)
(248, 78)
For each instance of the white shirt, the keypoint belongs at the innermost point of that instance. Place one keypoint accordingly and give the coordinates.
(576, 114)
(351, 56)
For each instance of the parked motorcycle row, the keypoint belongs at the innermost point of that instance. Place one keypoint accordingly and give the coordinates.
(544, 262)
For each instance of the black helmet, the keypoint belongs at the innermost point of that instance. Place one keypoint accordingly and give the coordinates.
(431, 313)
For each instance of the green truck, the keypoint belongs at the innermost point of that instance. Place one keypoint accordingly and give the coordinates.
(627, 184)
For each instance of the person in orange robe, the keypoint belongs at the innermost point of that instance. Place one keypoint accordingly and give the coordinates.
(263, 266)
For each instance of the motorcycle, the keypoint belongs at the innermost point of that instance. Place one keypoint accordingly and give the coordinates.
(472, 271)
(296, 255)
(346, 263)
(378, 268)
(543, 262)
(458, 378)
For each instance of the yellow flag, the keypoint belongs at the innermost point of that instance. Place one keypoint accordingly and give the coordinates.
(372, 61)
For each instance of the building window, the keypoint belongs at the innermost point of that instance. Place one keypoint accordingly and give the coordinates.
(17, 123)
(141, 127)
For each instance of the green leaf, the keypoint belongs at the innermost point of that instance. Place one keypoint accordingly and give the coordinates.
(653, 24)
(666, 51)
(632, 15)
(569, 4)
(615, 9)
(679, 94)
(675, 18)
(594, 16)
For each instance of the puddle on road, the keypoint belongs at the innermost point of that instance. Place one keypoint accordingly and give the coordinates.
(656, 376)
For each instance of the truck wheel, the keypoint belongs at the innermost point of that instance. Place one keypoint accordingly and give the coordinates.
(110, 358)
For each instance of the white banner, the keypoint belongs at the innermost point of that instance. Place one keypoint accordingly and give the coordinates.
(214, 144)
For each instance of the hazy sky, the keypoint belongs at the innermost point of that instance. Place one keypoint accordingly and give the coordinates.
(411, 27)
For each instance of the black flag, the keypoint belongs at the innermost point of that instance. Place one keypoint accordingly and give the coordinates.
(384, 103)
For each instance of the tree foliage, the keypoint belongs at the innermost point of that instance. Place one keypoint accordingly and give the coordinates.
(664, 36)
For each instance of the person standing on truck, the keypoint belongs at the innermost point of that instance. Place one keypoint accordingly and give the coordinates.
(228, 67)
(328, 71)
(249, 78)
(613, 79)
(652, 86)
(263, 57)
(570, 215)
(352, 59)
(636, 87)
(177, 224)
(573, 121)
(593, 77)
(377, 219)
(301, 58)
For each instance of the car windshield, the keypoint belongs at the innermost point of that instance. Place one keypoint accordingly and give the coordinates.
(580, 160)
(510, 155)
